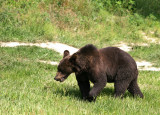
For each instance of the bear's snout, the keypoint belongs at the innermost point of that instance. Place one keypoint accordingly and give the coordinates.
(61, 80)
(60, 77)
(55, 79)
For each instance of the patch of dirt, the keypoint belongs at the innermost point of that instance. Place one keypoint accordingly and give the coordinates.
(146, 66)
(49, 62)
(150, 39)
(124, 47)
(58, 47)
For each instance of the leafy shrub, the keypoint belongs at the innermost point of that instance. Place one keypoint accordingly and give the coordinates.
(120, 6)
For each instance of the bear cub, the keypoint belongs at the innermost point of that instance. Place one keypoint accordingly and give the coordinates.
(100, 66)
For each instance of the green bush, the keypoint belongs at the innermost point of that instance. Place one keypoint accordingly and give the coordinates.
(147, 7)
(119, 7)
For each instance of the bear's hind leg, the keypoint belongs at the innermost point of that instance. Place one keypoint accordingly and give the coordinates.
(120, 88)
(134, 89)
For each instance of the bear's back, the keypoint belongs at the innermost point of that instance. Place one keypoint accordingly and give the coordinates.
(114, 58)
(116, 55)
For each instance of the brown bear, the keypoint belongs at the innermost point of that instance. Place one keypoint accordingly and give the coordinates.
(100, 66)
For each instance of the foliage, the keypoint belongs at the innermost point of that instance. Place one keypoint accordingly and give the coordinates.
(147, 7)
(65, 20)
(120, 6)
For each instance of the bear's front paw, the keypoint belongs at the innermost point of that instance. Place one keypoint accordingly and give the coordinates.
(85, 98)
(91, 99)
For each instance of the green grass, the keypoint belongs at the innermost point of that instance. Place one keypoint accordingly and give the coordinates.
(28, 87)
(30, 53)
(149, 53)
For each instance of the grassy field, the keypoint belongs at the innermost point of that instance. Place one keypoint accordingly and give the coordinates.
(28, 86)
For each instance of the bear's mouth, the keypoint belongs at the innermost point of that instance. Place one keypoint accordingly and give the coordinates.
(61, 79)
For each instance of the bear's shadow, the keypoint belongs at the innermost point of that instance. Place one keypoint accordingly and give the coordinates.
(107, 91)
(75, 93)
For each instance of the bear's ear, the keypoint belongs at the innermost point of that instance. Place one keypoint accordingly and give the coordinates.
(73, 58)
(66, 53)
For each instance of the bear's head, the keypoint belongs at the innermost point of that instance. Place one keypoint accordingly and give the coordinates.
(64, 68)
(80, 61)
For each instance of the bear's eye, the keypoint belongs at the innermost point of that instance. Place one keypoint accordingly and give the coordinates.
(60, 70)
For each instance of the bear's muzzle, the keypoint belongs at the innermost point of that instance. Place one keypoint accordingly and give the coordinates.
(60, 77)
